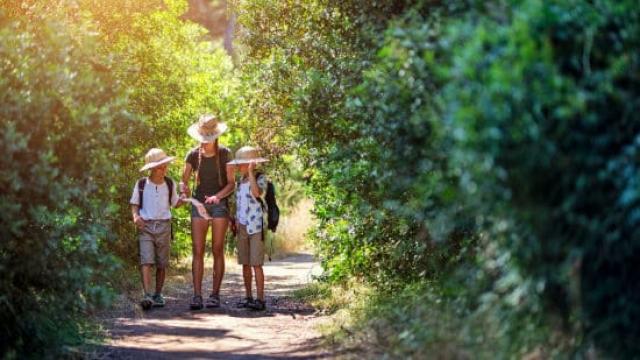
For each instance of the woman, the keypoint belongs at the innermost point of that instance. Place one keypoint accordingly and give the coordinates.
(213, 183)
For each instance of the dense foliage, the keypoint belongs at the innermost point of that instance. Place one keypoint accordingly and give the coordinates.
(59, 122)
(552, 107)
(173, 75)
(490, 147)
(87, 88)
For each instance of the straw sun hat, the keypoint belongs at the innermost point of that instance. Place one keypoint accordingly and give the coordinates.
(207, 129)
(155, 157)
(247, 154)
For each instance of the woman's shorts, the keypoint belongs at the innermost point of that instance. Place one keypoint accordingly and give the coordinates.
(220, 210)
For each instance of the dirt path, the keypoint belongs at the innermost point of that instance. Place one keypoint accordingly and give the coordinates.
(287, 330)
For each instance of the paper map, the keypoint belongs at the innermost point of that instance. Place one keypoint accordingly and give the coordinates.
(199, 207)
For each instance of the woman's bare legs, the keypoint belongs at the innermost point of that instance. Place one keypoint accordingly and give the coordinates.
(199, 228)
(219, 230)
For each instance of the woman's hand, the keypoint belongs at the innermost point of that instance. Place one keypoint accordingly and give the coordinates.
(185, 192)
(211, 200)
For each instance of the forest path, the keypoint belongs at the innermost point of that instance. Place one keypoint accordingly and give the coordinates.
(286, 330)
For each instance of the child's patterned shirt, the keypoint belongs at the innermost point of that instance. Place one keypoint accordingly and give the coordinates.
(248, 209)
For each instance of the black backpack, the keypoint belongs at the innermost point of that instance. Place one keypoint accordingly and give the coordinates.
(169, 182)
(272, 209)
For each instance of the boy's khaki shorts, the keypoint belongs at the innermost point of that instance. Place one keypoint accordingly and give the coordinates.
(250, 247)
(155, 243)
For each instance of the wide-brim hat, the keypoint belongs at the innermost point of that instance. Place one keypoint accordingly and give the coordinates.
(154, 158)
(207, 129)
(246, 155)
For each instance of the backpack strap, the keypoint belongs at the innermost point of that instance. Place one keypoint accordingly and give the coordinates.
(270, 246)
(170, 187)
(259, 198)
(218, 166)
(222, 169)
(141, 184)
(263, 206)
(263, 234)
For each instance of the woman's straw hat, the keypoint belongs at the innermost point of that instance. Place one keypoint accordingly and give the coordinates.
(207, 129)
(247, 154)
(155, 157)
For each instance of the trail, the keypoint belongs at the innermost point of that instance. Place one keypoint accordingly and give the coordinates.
(287, 330)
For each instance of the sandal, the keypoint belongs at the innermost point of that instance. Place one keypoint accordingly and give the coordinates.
(245, 303)
(213, 301)
(258, 305)
(196, 302)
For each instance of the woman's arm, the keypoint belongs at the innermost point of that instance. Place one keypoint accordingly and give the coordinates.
(186, 175)
(231, 183)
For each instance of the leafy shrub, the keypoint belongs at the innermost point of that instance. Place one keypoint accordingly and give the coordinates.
(499, 133)
(559, 81)
(172, 75)
(87, 87)
(59, 122)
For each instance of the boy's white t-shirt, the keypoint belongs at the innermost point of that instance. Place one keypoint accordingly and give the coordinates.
(156, 200)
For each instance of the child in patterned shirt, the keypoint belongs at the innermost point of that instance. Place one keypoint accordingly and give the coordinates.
(249, 217)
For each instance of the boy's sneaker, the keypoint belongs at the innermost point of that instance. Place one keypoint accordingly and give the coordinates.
(196, 302)
(245, 303)
(147, 302)
(258, 305)
(158, 300)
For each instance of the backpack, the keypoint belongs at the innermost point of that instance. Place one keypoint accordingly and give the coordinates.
(142, 182)
(272, 209)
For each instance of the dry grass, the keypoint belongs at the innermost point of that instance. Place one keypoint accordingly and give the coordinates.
(335, 298)
(292, 231)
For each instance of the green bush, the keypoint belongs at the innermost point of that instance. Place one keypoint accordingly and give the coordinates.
(548, 99)
(59, 122)
(491, 145)
(172, 75)
(87, 87)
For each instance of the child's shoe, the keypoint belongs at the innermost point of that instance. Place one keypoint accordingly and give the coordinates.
(196, 302)
(147, 302)
(158, 300)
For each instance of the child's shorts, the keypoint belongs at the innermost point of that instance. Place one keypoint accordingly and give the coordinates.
(250, 247)
(155, 243)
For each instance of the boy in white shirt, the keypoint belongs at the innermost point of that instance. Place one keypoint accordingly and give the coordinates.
(151, 203)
